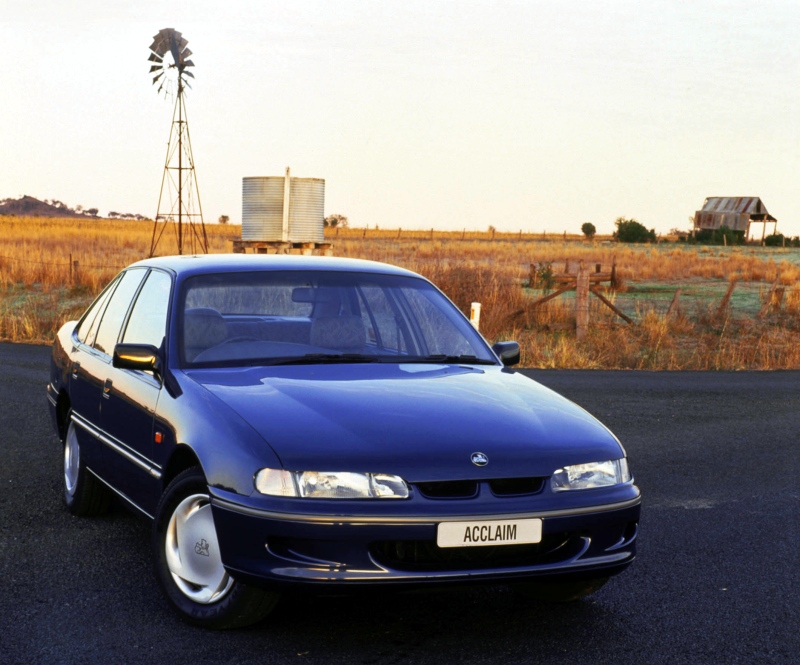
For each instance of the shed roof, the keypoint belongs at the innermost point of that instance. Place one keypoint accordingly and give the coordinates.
(749, 205)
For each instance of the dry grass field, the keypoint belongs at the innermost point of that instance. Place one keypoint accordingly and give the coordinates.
(50, 270)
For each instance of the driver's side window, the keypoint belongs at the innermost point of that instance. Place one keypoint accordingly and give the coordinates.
(110, 325)
(148, 320)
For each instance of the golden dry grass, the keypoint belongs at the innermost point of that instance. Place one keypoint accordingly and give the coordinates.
(41, 288)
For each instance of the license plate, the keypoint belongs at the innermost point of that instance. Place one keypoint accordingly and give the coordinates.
(489, 532)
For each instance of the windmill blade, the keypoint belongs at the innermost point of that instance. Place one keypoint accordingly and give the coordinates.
(188, 63)
(161, 41)
(186, 53)
(158, 76)
(156, 68)
(187, 73)
(175, 38)
(173, 47)
(155, 58)
(159, 44)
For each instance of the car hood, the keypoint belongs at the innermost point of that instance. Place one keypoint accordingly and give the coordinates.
(419, 421)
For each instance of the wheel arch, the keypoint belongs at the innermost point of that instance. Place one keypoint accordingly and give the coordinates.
(63, 407)
(182, 458)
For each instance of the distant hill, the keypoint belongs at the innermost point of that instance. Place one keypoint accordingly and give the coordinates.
(27, 206)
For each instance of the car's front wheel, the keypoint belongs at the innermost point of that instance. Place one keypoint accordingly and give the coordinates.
(188, 562)
(83, 493)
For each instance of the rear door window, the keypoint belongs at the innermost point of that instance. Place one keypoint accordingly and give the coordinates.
(88, 327)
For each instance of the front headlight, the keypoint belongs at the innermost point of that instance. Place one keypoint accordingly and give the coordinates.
(330, 484)
(591, 475)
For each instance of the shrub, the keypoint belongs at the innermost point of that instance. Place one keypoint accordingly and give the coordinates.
(721, 236)
(629, 230)
(336, 221)
(542, 276)
(775, 240)
(588, 229)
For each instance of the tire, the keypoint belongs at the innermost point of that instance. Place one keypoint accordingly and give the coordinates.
(84, 494)
(560, 592)
(188, 564)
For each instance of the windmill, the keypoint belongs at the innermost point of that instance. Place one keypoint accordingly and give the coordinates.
(179, 200)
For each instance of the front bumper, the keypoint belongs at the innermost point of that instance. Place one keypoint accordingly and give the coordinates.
(277, 548)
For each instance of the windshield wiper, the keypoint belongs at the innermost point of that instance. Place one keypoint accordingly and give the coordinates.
(463, 359)
(323, 359)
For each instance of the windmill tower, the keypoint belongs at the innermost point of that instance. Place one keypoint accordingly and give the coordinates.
(179, 200)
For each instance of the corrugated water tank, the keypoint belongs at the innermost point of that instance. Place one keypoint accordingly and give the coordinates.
(268, 216)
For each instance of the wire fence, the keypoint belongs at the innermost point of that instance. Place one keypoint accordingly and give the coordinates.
(57, 264)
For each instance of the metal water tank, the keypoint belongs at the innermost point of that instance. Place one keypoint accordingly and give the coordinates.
(283, 209)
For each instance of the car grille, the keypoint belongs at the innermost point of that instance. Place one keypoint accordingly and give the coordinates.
(418, 555)
(465, 489)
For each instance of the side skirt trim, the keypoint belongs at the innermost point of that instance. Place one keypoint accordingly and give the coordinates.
(121, 495)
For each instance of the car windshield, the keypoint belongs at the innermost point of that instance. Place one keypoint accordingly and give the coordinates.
(302, 317)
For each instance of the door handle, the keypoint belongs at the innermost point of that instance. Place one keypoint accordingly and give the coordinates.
(75, 367)
(107, 389)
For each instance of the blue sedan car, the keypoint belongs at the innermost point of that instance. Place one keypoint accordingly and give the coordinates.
(319, 423)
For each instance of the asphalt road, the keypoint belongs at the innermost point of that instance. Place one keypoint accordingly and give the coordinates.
(716, 580)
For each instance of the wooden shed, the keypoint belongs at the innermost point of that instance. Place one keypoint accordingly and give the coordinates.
(735, 212)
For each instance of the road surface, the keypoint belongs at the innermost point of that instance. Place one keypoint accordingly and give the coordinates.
(716, 581)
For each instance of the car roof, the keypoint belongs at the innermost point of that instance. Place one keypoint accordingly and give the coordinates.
(186, 265)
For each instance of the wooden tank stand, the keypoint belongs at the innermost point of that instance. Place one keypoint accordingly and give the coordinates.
(280, 247)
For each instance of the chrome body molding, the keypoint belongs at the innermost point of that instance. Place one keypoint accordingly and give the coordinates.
(121, 495)
(417, 519)
(118, 447)
(52, 391)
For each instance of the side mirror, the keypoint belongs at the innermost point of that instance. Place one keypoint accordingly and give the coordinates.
(143, 357)
(508, 352)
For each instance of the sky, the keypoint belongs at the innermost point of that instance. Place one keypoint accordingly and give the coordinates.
(532, 115)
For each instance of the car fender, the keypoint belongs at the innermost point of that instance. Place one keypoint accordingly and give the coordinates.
(228, 449)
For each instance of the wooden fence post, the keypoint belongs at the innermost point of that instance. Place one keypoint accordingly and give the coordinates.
(726, 299)
(673, 306)
(582, 303)
(770, 299)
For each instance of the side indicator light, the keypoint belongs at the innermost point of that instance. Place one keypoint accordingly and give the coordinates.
(159, 437)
